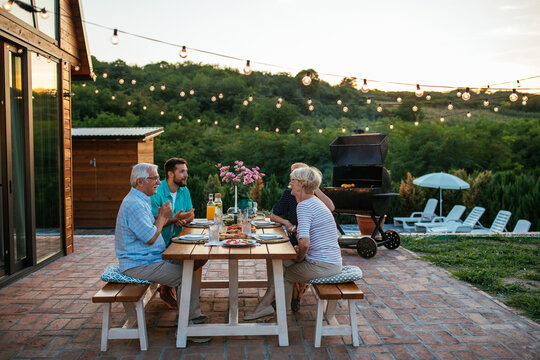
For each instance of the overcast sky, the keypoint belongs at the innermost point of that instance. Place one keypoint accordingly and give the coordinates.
(456, 43)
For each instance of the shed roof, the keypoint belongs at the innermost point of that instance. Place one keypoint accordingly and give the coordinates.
(117, 132)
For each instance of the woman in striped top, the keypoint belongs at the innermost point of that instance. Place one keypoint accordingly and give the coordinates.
(317, 253)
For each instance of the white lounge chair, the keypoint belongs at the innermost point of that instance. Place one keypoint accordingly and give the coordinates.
(440, 221)
(454, 226)
(429, 211)
(499, 224)
(522, 226)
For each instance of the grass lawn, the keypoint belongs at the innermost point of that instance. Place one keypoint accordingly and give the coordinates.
(506, 268)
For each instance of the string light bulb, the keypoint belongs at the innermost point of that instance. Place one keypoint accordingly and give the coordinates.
(525, 98)
(391, 126)
(77, 68)
(518, 84)
(183, 52)
(379, 108)
(416, 123)
(311, 107)
(278, 105)
(216, 122)
(213, 98)
(129, 102)
(306, 80)
(114, 39)
(343, 130)
(105, 75)
(367, 128)
(245, 103)
(364, 87)
(280, 100)
(345, 108)
(96, 91)
(469, 114)
(419, 92)
(339, 102)
(513, 96)
(247, 68)
(179, 117)
(277, 130)
(309, 101)
(466, 95)
(458, 94)
(120, 81)
(162, 112)
(442, 118)
(298, 131)
(144, 107)
(191, 92)
(496, 109)
(256, 128)
(450, 106)
(524, 103)
(415, 108)
(113, 97)
(199, 121)
(44, 13)
(220, 95)
(428, 97)
(152, 87)
(250, 98)
(163, 87)
(320, 131)
(83, 85)
(399, 99)
(368, 100)
(237, 126)
(182, 93)
(486, 102)
(133, 82)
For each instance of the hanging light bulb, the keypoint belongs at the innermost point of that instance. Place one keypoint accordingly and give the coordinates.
(162, 112)
(442, 118)
(83, 85)
(309, 101)
(486, 102)
(367, 128)
(513, 96)
(524, 103)
(320, 131)
(114, 38)
(416, 123)
(213, 98)
(133, 82)
(419, 92)
(77, 68)
(7, 5)
(144, 107)
(220, 95)
(245, 103)
(278, 105)
(96, 91)
(399, 99)
(237, 126)
(44, 13)
(216, 122)
(280, 100)
(428, 97)
(198, 120)
(311, 107)
(458, 94)
(391, 126)
(343, 130)
(525, 98)
(163, 87)
(250, 98)
(339, 102)
(518, 84)
(105, 75)
(496, 109)
(469, 114)
(298, 131)
(179, 117)
(415, 108)
(364, 87)
(247, 68)
(182, 93)
(306, 80)
(466, 95)
(345, 108)
(152, 87)
(191, 92)
(129, 102)
(277, 130)
(379, 108)
(113, 97)
(120, 81)
(450, 106)
(368, 100)
(256, 128)
(183, 52)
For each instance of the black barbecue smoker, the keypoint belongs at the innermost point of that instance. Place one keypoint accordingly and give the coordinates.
(361, 185)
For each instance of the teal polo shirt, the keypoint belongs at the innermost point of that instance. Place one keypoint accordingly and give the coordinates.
(183, 202)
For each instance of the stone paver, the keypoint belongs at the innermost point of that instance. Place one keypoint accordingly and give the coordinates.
(412, 310)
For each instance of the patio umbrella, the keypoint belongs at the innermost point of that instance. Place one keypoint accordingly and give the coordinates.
(441, 181)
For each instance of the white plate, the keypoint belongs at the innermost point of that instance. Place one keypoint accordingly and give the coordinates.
(262, 223)
(201, 222)
(194, 237)
(239, 242)
(268, 236)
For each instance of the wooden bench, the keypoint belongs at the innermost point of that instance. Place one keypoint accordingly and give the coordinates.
(134, 298)
(331, 293)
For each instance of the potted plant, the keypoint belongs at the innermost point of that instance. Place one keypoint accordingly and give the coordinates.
(367, 226)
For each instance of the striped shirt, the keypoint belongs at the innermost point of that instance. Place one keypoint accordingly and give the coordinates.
(315, 221)
(134, 228)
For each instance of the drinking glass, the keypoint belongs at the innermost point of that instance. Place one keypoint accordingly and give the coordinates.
(246, 222)
(213, 233)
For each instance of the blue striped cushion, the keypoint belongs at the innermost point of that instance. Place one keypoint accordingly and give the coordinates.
(348, 273)
(112, 274)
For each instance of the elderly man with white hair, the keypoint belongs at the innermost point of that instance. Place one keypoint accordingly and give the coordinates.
(138, 241)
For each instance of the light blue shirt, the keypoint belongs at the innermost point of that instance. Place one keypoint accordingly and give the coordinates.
(134, 228)
(182, 202)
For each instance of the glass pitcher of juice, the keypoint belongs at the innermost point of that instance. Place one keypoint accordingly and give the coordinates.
(210, 208)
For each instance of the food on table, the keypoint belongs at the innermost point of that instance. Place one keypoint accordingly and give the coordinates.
(234, 232)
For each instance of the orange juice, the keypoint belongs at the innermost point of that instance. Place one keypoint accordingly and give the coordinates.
(210, 210)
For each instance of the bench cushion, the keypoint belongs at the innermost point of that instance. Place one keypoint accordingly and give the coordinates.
(112, 274)
(348, 273)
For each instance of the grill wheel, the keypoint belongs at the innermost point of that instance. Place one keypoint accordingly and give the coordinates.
(393, 239)
(366, 247)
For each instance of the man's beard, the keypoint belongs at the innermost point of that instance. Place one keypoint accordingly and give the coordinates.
(181, 183)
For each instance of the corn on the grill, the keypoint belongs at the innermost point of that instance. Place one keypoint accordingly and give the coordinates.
(347, 185)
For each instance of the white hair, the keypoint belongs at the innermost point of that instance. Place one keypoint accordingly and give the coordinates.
(309, 177)
(141, 171)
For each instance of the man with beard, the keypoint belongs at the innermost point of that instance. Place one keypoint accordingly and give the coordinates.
(139, 242)
(174, 191)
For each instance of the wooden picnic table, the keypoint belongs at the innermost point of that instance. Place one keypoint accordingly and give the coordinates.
(191, 252)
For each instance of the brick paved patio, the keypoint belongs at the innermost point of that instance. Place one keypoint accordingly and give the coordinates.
(412, 310)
